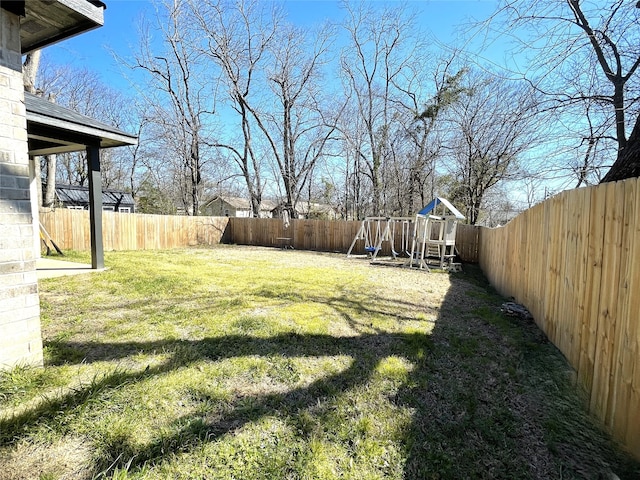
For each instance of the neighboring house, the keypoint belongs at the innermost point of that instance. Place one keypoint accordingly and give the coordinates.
(320, 211)
(77, 198)
(227, 206)
(31, 126)
(309, 210)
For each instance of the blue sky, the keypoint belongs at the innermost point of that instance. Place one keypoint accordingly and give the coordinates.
(92, 50)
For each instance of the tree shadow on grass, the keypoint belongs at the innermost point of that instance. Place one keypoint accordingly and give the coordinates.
(366, 352)
(489, 396)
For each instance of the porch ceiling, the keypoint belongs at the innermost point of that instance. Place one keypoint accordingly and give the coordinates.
(45, 21)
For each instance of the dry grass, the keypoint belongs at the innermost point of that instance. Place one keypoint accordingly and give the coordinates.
(66, 459)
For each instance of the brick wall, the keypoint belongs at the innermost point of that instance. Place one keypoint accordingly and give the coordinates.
(20, 336)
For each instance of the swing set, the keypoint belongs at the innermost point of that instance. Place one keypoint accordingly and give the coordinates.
(377, 231)
(427, 238)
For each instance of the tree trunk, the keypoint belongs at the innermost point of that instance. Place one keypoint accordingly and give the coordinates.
(37, 173)
(30, 71)
(627, 165)
(50, 189)
(256, 200)
(51, 161)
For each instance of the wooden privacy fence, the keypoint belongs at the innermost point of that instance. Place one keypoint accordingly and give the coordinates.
(319, 235)
(468, 243)
(70, 230)
(574, 262)
(328, 236)
(123, 231)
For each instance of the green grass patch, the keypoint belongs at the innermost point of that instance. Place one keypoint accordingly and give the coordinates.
(254, 363)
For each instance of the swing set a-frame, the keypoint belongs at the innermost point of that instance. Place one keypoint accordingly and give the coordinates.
(376, 231)
(426, 239)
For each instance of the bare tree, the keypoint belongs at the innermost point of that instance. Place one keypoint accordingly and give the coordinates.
(30, 70)
(628, 163)
(257, 53)
(356, 195)
(134, 169)
(82, 91)
(179, 98)
(586, 168)
(373, 63)
(29, 75)
(237, 38)
(493, 125)
(301, 125)
(585, 53)
(369, 67)
(418, 132)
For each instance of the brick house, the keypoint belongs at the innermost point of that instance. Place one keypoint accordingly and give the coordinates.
(29, 127)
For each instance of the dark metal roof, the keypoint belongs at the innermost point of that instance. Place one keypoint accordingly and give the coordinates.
(55, 129)
(77, 195)
(49, 21)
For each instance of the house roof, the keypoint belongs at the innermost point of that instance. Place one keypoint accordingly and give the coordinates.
(52, 128)
(77, 195)
(43, 22)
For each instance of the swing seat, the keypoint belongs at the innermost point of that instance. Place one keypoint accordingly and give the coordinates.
(370, 249)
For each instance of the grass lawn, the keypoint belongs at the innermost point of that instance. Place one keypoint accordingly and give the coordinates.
(251, 363)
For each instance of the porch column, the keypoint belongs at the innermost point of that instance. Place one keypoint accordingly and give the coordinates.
(20, 337)
(95, 207)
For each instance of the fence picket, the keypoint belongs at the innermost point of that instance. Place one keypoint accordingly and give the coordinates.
(594, 276)
(621, 373)
(607, 307)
